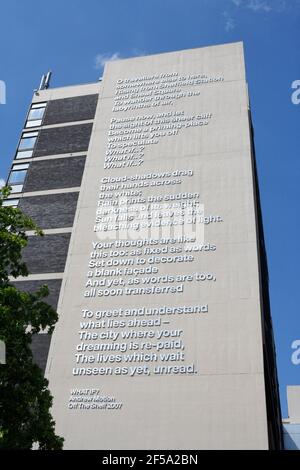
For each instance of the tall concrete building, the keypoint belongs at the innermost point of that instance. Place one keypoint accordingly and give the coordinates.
(146, 188)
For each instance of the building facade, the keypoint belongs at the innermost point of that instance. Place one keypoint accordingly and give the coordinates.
(291, 425)
(145, 186)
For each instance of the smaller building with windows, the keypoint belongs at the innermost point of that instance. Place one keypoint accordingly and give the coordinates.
(291, 425)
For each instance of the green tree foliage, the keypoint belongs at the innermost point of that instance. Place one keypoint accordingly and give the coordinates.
(25, 400)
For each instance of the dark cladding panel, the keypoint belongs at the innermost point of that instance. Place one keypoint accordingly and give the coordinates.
(66, 139)
(41, 342)
(78, 108)
(54, 174)
(40, 347)
(51, 210)
(32, 286)
(46, 254)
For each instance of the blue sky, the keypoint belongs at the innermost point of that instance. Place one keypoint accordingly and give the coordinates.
(75, 37)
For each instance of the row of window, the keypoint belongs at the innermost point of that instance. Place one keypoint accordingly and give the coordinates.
(35, 115)
(17, 177)
(25, 150)
(28, 139)
(26, 145)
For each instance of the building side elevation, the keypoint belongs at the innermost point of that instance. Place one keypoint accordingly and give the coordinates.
(145, 186)
(45, 178)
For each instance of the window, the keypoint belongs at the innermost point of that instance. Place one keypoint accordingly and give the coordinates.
(28, 140)
(24, 154)
(17, 177)
(16, 188)
(35, 115)
(27, 144)
(11, 202)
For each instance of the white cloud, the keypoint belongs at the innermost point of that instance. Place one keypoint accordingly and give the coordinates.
(259, 5)
(2, 183)
(101, 59)
(267, 6)
(229, 22)
(256, 7)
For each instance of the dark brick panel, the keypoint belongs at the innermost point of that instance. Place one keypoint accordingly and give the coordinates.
(40, 347)
(41, 343)
(46, 254)
(51, 210)
(54, 286)
(78, 108)
(67, 139)
(54, 174)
